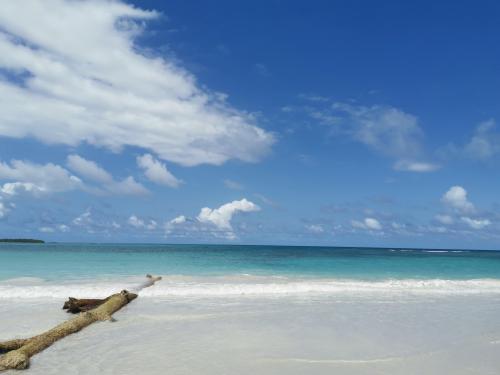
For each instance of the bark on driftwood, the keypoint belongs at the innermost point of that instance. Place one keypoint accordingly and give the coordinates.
(19, 351)
(75, 305)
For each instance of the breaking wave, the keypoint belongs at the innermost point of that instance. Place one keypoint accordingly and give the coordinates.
(246, 285)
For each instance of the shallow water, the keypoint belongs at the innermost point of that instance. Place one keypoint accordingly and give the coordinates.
(293, 335)
(255, 311)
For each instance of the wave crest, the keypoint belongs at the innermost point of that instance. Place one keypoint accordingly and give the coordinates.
(182, 286)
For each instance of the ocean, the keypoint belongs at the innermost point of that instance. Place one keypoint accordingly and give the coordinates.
(260, 309)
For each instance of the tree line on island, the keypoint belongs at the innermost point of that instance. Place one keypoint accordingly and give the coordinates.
(20, 240)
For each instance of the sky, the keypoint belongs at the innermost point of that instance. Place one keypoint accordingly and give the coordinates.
(343, 123)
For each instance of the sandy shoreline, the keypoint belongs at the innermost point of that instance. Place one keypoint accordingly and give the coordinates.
(341, 334)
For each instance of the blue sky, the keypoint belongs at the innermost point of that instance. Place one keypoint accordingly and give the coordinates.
(322, 123)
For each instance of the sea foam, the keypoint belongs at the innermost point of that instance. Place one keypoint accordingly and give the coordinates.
(230, 286)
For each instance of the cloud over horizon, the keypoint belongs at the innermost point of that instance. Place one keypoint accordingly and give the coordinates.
(215, 222)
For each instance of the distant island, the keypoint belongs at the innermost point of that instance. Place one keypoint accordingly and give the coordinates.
(20, 240)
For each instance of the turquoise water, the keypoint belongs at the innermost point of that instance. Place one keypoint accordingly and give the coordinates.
(259, 309)
(73, 261)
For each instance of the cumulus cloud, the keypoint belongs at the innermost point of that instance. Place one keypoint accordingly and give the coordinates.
(142, 224)
(156, 171)
(36, 178)
(92, 171)
(368, 223)
(76, 74)
(175, 222)
(476, 223)
(221, 217)
(461, 210)
(178, 220)
(15, 188)
(456, 198)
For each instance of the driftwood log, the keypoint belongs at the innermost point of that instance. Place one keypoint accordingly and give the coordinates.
(19, 351)
(75, 305)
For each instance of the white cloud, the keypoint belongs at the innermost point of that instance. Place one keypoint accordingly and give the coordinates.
(461, 208)
(221, 217)
(456, 198)
(315, 228)
(128, 186)
(81, 77)
(36, 178)
(63, 228)
(445, 219)
(398, 226)
(3, 210)
(476, 223)
(266, 200)
(15, 188)
(386, 130)
(92, 171)
(156, 171)
(230, 184)
(409, 166)
(178, 220)
(46, 230)
(372, 223)
(88, 169)
(60, 228)
(172, 224)
(485, 143)
(84, 220)
(92, 221)
(368, 223)
(135, 222)
(141, 224)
